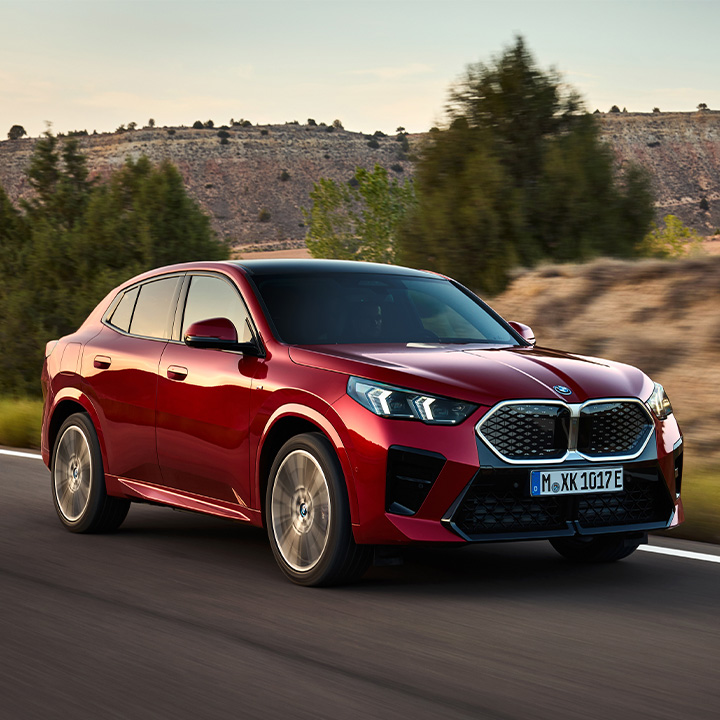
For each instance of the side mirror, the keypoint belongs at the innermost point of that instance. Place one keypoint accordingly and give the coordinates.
(218, 334)
(524, 331)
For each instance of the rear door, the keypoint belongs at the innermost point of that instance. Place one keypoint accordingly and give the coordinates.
(203, 399)
(120, 366)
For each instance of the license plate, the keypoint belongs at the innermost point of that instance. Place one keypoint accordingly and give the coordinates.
(575, 481)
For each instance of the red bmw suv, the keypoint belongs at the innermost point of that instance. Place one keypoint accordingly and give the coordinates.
(347, 407)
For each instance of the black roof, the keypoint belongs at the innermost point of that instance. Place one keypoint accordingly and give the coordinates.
(313, 267)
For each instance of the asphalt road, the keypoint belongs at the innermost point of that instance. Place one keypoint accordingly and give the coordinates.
(183, 616)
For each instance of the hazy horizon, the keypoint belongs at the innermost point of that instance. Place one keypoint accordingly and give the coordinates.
(98, 64)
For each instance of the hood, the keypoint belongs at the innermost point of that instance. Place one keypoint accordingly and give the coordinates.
(481, 374)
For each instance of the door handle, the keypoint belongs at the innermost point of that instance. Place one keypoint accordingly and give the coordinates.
(102, 362)
(177, 372)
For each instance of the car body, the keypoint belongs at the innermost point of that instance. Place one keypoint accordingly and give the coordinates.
(349, 407)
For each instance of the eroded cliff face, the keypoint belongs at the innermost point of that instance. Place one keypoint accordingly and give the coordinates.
(273, 167)
(270, 168)
(682, 153)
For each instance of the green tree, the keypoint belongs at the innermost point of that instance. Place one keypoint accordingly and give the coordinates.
(77, 239)
(16, 132)
(358, 220)
(519, 175)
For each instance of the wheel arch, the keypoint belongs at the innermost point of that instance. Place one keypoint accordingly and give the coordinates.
(63, 409)
(287, 424)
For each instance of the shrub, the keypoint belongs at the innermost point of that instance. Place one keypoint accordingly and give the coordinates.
(614, 109)
(151, 122)
(379, 134)
(16, 132)
(224, 134)
(171, 131)
(264, 215)
(224, 141)
(284, 176)
(673, 241)
(397, 167)
(656, 109)
(198, 125)
(337, 124)
(704, 204)
(131, 125)
(311, 122)
(373, 143)
(263, 132)
(329, 128)
(209, 124)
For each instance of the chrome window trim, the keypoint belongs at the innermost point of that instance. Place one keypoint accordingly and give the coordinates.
(572, 454)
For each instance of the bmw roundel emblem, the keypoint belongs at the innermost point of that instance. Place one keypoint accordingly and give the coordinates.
(562, 389)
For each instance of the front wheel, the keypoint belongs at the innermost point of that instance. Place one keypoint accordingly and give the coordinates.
(597, 548)
(308, 515)
(78, 480)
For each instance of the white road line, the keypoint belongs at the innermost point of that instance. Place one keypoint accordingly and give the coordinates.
(15, 453)
(680, 553)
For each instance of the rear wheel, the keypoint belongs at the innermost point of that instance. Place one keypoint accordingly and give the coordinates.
(308, 515)
(78, 480)
(597, 548)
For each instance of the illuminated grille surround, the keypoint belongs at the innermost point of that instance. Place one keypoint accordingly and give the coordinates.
(574, 413)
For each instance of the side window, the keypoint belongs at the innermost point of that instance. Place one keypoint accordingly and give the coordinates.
(212, 297)
(153, 308)
(123, 312)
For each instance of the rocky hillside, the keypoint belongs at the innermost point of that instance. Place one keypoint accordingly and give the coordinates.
(255, 183)
(682, 153)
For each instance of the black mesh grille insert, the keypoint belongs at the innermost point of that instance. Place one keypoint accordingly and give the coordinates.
(613, 428)
(498, 504)
(528, 431)
(645, 499)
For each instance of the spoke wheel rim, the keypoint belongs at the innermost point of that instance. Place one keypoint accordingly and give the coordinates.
(72, 473)
(300, 511)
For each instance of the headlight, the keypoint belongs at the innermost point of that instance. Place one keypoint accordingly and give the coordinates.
(393, 402)
(659, 402)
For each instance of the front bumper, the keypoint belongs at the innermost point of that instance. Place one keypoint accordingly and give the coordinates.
(475, 496)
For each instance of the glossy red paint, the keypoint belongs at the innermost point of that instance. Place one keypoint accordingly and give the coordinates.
(197, 428)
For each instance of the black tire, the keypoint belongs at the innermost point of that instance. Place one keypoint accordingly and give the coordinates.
(78, 480)
(597, 548)
(308, 515)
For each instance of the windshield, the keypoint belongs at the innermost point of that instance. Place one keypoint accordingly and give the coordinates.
(361, 308)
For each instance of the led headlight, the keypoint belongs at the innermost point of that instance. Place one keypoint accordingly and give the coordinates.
(393, 402)
(659, 402)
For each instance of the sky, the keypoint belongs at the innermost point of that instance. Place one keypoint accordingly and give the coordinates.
(373, 64)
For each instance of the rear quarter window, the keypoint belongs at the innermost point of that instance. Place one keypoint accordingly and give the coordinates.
(123, 312)
(154, 308)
